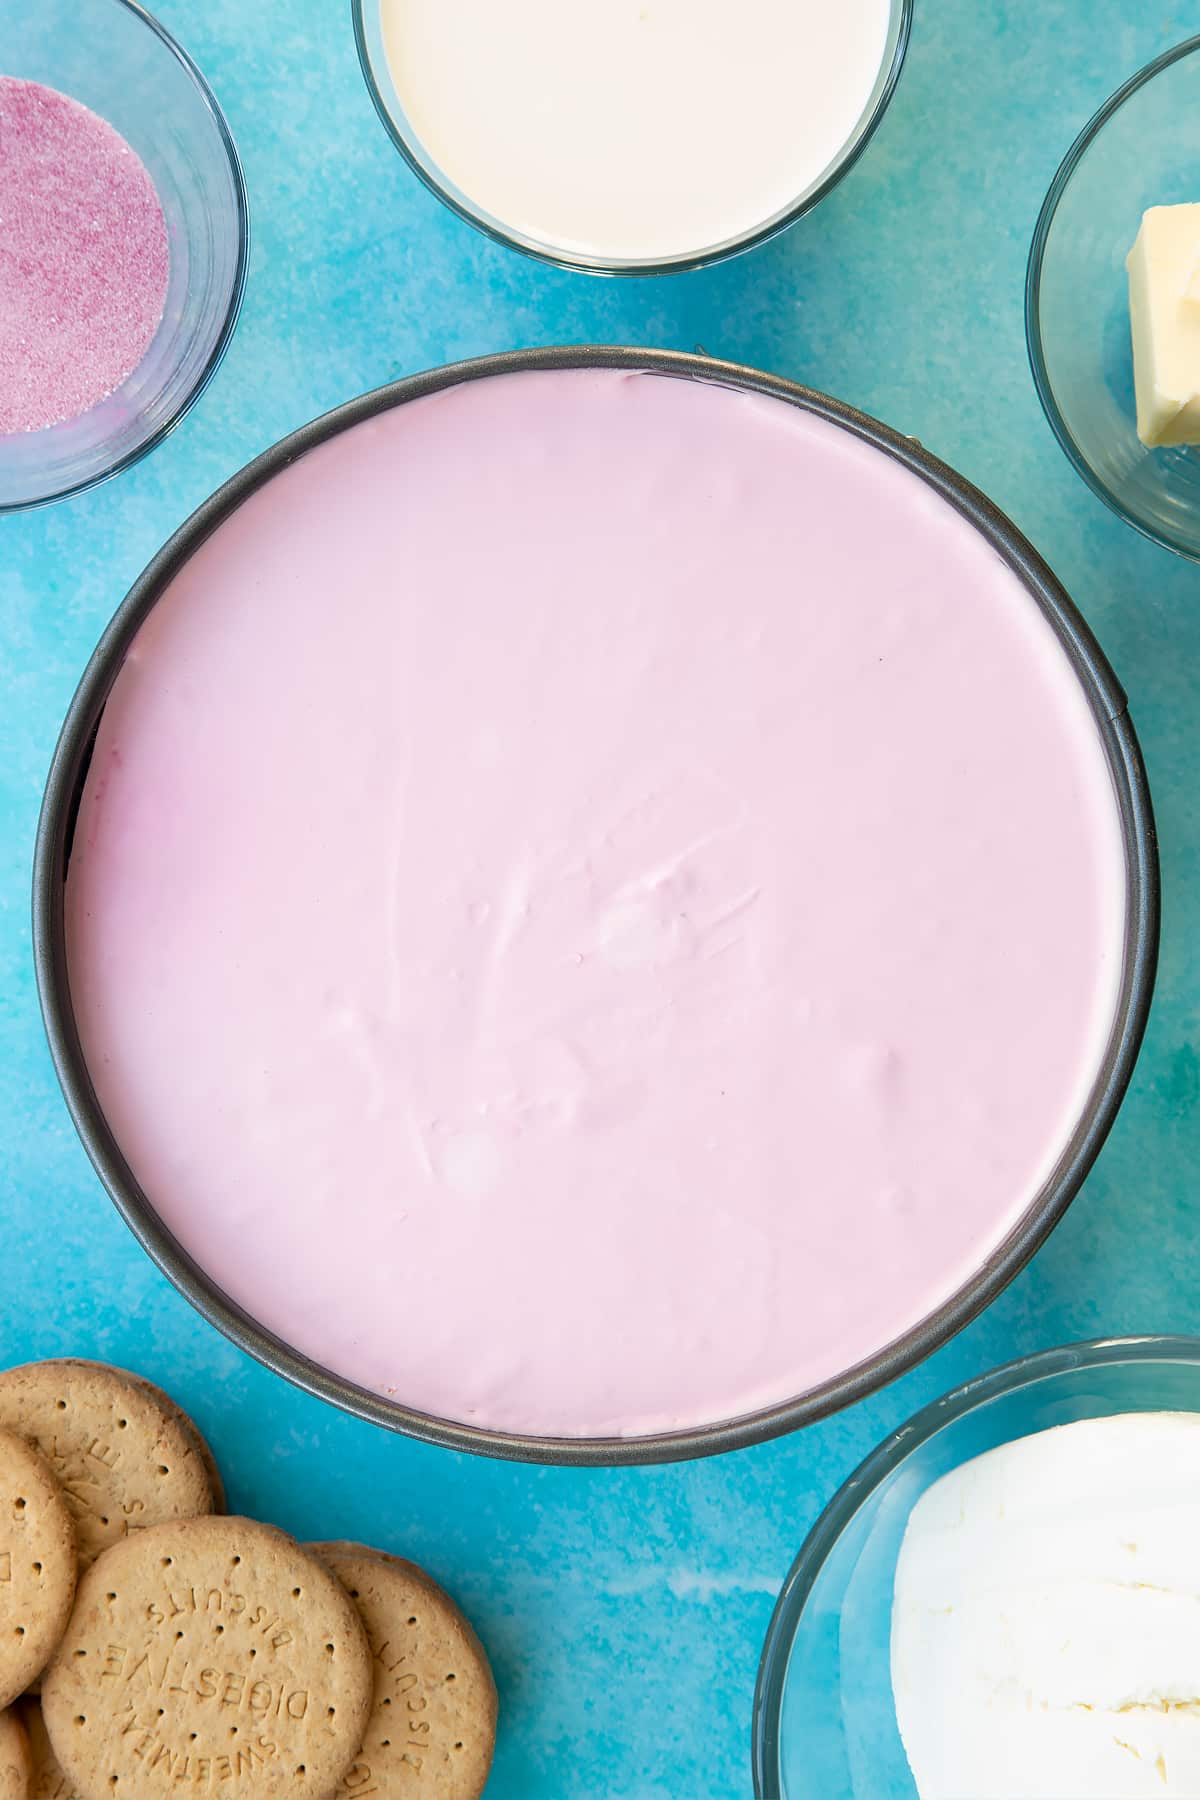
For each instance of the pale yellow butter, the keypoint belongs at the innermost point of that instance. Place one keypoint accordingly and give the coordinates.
(1164, 307)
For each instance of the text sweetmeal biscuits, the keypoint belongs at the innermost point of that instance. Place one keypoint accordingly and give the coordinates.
(433, 1718)
(121, 1458)
(37, 1565)
(15, 1766)
(209, 1656)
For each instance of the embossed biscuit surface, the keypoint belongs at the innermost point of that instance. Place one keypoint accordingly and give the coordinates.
(198, 1441)
(173, 1409)
(211, 1656)
(46, 1779)
(121, 1459)
(15, 1765)
(433, 1716)
(37, 1565)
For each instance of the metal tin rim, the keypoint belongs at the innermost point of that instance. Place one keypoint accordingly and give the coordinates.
(562, 259)
(236, 295)
(887, 1456)
(1109, 707)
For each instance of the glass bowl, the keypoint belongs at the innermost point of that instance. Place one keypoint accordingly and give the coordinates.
(824, 1720)
(368, 32)
(117, 60)
(1134, 154)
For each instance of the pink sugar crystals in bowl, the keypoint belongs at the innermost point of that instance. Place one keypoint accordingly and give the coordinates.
(124, 234)
(84, 260)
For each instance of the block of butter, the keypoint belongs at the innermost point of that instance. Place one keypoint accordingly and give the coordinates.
(1164, 306)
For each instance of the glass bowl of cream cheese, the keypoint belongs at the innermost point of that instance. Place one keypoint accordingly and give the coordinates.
(1000, 1603)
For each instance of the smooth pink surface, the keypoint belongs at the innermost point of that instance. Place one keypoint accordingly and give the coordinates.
(83, 257)
(597, 903)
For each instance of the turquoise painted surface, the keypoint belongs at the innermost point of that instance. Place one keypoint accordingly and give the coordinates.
(625, 1611)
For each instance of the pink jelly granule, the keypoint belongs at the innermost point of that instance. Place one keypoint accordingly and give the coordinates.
(83, 257)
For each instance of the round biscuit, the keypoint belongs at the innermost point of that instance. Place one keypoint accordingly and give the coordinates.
(205, 1654)
(46, 1779)
(15, 1763)
(172, 1407)
(37, 1565)
(433, 1717)
(122, 1459)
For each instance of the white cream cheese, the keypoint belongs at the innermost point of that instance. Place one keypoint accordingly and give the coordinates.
(1046, 1619)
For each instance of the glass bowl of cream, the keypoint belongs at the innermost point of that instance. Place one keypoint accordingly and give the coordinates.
(126, 242)
(1133, 155)
(564, 944)
(998, 1602)
(643, 137)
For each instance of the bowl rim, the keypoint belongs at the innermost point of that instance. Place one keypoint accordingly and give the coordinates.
(1033, 296)
(1110, 710)
(888, 1456)
(237, 291)
(900, 20)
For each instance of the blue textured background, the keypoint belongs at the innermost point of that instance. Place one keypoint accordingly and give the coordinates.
(625, 1611)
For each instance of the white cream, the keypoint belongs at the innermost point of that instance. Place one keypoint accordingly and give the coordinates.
(1046, 1623)
(634, 129)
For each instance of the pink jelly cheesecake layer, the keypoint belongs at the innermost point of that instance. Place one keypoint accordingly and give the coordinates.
(597, 904)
